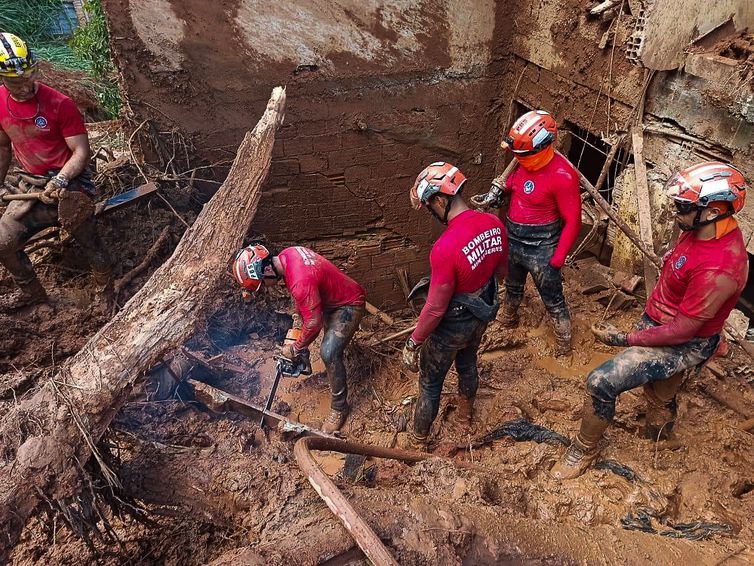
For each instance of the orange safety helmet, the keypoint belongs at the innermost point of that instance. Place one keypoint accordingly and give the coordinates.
(249, 266)
(440, 178)
(705, 184)
(531, 133)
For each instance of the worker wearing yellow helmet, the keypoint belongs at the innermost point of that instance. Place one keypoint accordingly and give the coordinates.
(45, 132)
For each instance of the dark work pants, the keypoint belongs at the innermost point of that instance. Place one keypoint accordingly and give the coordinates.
(530, 249)
(23, 219)
(456, 339)
(643, 365)
(340, 326)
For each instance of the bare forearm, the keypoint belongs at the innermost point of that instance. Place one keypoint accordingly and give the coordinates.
(6, 155)
(76, 164)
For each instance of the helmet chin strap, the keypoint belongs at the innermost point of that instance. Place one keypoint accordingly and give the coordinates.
(698, 223)
(444, 218)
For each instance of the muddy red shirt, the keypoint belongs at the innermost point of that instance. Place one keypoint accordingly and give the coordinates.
(316, 286)
(544, 196)
(701, 282)
(469, 252)
(37, 128)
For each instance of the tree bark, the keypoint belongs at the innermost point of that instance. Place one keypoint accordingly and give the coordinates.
(46, 439)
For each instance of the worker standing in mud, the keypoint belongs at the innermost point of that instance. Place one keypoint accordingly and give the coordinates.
(323, 296)
(45, 132)
(466, 261)
(701, 280)
(544, 219)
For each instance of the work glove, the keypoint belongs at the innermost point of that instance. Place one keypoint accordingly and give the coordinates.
(53, 189)
(411, 355)
(608, 334)
(492, 199)
(290, 352)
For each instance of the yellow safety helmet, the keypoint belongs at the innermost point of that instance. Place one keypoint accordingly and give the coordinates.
(16, 59)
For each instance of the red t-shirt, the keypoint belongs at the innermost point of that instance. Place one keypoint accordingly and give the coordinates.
(38, 135)
(316, 285)
(700, 280)
(472, 249)
(544, 196)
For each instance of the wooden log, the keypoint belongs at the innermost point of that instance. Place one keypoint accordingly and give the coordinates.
(643, 206)
(73, 409)
(383, 316)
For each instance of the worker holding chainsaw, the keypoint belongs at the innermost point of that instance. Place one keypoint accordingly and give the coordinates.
(324, 296)
(45, 132)
(701, 280)
(466, 261)
(544, 220)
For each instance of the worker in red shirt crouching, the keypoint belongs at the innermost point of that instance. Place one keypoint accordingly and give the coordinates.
(45, 132)
(701, 280)
(323, 296)
(543, 221)
(466, 261)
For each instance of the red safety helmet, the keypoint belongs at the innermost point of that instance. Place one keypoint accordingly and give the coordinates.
(713, 181)
(249, 265)
(531, 133)
(439, 178)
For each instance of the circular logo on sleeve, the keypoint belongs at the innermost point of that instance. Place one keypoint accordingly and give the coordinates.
(41, 122)
(529, 187)
(680, 262)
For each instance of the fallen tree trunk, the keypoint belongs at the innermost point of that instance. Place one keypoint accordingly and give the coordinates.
(45, 440)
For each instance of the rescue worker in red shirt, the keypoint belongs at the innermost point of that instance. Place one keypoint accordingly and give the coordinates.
(543, 221)
(324, 296)
(46, 133)
(466, 261)
(701, 280)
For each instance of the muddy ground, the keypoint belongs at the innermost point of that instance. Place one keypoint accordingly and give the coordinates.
(202, 486)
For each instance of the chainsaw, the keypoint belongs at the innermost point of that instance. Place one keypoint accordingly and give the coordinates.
(288, 368)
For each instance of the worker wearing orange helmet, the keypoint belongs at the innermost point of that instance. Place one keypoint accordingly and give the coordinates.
(466, 261)
(700, 282)
(543, 220)
(324, 296)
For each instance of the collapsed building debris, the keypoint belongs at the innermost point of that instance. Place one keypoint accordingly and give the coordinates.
(77, 405)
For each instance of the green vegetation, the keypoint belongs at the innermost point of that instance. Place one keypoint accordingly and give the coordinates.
(88, 50)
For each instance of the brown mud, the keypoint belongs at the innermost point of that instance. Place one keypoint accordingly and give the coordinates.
(216, 487)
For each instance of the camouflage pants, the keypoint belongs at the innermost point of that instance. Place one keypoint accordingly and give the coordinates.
(457, 340)
(659, 369)
(340, 326)
(530, 249)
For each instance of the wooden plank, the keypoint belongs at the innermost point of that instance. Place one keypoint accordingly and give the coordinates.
(644, 207)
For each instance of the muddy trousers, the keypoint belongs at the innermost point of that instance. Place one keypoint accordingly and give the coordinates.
(659, 369)
(530, 249)
(456, 339)
(340, 326)
(23, 219)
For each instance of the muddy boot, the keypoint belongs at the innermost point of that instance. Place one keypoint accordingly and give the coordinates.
(562, 338)
(335, 420)
(584, 448)
(510, 316)
(411, 442)
(29, 293)
(464, 410)
(660, 417)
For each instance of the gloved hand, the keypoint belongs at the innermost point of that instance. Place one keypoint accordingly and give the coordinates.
(289, 351)
(53, 189)
(493, 198)
(411, 355)
(608, 334)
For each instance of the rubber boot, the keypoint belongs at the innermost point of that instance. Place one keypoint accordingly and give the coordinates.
(412, 442)
(510, 316)
(29, 293)
(464, 410)
(584, 448)
(661, 409)
(562, 337)
(335, 420)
